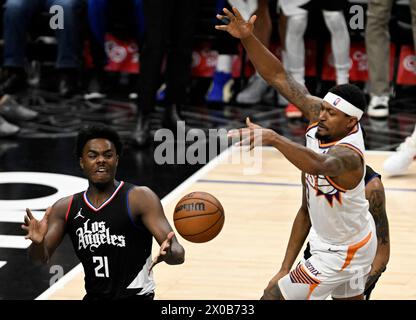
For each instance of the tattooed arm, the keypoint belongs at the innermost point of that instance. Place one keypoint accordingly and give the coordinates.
(375, 195)
(337, 162)
(272, 71)
(340, 162)
(270, 67)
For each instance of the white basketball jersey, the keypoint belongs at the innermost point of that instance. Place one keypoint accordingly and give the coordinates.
(338, 216)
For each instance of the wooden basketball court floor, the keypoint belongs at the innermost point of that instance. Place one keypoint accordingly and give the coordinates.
(259, 211)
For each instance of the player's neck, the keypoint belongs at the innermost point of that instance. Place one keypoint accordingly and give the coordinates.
(332, 139)
(98, 192)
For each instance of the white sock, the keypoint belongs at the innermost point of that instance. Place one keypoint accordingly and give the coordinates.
(224, 63)
(295, 46)
(340, 43)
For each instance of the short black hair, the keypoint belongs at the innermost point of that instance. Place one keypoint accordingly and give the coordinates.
(352, 94)
(97, 131)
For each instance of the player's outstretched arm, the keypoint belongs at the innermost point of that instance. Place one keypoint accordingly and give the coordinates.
(46, 234)
(376, 197)
(145, 204)
(338, 161)
(268, 65)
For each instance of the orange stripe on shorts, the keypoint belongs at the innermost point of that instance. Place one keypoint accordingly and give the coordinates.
(353, 249)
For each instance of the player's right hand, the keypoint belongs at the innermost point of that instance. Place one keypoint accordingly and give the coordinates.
(272, 291)
(253, 135)
(163, 252)
(278, 276)
(36, 230)
(237, 26)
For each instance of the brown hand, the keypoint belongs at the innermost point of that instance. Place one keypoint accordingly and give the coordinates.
(163, 250)
(237, 26)
(272, 291)
(253, 135)
(278, 276)
(36, 230)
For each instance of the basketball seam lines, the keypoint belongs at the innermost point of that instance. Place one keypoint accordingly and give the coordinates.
(198, 215)
(195, 234)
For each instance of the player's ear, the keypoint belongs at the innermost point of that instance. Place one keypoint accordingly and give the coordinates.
(81, 164)
(352, 122)
(117, 160)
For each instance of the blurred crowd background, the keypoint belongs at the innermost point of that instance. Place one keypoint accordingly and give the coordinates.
(165, 55)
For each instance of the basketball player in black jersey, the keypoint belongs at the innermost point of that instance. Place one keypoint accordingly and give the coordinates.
(111, 225)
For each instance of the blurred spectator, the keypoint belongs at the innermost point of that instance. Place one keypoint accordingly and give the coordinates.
(17, 16)
(12, 111)
(377, 40)
(124, 19)
(7, 129)
(220, 88)
(297, 20)
(399, 162)
(168, 28)
(257, 88)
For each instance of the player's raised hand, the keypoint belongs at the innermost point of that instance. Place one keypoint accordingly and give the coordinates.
(163, 250)
(36, 230)
(237, 26)
(253, 135)
(251, 125)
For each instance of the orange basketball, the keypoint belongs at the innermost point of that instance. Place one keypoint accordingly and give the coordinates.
(198, 217)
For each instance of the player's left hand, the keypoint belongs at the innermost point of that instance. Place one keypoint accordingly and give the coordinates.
(235, 23)
(374, 274)
(164, 248)
(253, 135)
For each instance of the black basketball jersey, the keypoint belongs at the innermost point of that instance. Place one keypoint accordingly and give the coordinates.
(370, 174)
(114, 250)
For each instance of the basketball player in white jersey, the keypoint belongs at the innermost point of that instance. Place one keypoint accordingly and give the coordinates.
(342, 233)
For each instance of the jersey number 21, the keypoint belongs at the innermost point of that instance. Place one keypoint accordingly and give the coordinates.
(102, 264)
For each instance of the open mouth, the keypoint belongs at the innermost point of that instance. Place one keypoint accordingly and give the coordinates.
(101, 170)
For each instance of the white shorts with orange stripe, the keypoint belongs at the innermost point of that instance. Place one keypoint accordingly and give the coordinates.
(339, 271)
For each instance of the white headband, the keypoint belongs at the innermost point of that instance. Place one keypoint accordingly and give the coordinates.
(343, 105)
